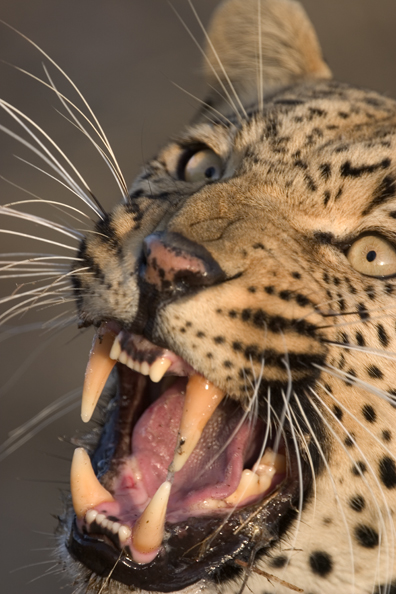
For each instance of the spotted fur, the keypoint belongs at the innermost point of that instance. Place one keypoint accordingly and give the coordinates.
(308, 169)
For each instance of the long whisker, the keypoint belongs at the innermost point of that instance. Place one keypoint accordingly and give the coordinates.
(229, 98)
(370, 468)
(203, 29)
(74, 86)
(328, 469)
(338, 373)
(52, 161)
(7, 211)
(45, 417)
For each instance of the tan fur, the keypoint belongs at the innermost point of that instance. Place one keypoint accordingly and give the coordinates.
(311, 171)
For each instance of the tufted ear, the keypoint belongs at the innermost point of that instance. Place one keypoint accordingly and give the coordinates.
(279, 30)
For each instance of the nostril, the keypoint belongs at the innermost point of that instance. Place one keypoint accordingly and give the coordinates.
(173, 263)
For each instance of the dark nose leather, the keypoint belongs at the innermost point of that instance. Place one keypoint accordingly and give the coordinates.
(176, 266)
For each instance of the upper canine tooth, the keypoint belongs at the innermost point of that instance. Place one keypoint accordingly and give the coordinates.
(159, 368)
(148, 533)
(86, 490)
(202, 399)
(98, 370)
(116, 348)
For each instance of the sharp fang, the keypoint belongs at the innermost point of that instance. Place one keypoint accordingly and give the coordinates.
(149, 530)
(98, 370)
(202, 399)
(159, 368)
(86, 490)
(116, 348)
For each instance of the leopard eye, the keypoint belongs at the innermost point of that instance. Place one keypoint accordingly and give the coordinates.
(373, 256)
(202, 166)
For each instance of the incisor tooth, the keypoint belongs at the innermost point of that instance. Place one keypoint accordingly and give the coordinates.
(159, 368)
(86, 490)
(202, 399)
(98, 370)
(149, 531)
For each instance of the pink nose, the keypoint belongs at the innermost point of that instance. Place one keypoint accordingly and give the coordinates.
(174, 263)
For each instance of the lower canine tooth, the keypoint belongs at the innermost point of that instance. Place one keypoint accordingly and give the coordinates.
(86, 490)
(149, 530)
(202, 399)
(98, 370)
(158, 369)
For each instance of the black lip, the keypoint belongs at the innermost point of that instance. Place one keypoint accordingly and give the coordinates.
(200, 548)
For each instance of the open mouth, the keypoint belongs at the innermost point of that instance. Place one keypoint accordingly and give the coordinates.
(185, 473)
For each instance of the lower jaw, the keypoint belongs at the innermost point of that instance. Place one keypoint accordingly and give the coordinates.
(204, 548)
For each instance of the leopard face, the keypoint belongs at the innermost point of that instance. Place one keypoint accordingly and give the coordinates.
(253, 260)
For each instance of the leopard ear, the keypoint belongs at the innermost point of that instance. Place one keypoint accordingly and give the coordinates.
(279, 30)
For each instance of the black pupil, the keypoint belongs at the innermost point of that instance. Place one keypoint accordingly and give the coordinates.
(371, 256)
(209, 172)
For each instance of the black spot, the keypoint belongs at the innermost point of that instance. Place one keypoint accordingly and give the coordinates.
(200, 335)
(375, 372)
(326, 278)
(357, 503)
(246, 315)
(321, 563)
(347, 170)
(350, 440)
(219, 339)
(237, 346)
(389, 289)
(366, 536)
(359, 468)
(302, 300)
(338, 412)
(386, 435)
(209, 355)
(279, 562)
(232, 313)
(360, 339)
(270, 290)
(326, 198)
(385, 191)
(369, 413)
(258, 246)
(328, 388)
(382, 335)
(252, 289)
(351, 374)
(285, 295)
(370, 291)
(362, 311)
(296, 275)
(228, 364)
(325, 171)
(387, 472)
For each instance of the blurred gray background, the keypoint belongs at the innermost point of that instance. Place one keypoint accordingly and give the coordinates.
(123, 55)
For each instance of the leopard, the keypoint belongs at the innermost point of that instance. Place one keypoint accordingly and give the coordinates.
(242, 300)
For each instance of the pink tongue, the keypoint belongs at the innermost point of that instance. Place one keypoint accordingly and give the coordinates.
(215, 466)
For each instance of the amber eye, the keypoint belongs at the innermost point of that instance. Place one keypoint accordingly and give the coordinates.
(202, 166)
(373, 255)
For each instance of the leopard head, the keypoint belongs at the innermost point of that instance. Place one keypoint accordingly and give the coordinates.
(242, 294)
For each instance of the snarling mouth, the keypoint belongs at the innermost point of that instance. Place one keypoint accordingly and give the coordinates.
(186, 475)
